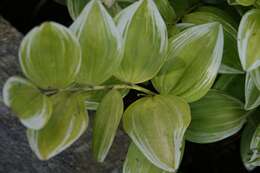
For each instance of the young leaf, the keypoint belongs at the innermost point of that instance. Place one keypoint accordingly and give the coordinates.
(248, 40)
(252, 94)
(50, 56)
(101, 44)
(215, 117)
(67, 123)
(230, 62)
(157, 125)
(30, 105)
(190, 74)
(250, 142)
(106, 122)
(241, 2)
(136, 162)
(75, 7)
(145, 39)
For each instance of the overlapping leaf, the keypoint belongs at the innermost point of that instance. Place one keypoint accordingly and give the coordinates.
(190, 74)
(241, 2)
(166, 11)
(145, 41)
(249, 39)
(50, 56)
(215, 117)
(75, 7)
(157, 125)
(67, 123)
(101, 44)
(30, 105)
(106, 122)
(252, 94)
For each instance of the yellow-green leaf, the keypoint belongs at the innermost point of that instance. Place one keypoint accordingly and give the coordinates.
(157, 125)
(215, 117)
(67, 123)
(249, 39)
(190, 74)
(252, 93)
(106, 122)
(50, 56)
(75, 7)
(166, 11)
(101, 44)
(241, 2)
(145, 40)
(29, 104)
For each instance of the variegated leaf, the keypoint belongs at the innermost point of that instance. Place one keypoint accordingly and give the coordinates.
(252, 94)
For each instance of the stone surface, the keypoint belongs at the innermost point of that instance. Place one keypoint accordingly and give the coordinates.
(15, 154)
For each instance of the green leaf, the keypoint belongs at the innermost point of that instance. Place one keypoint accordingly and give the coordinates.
(106, 122)
(250, 142)
(101, 44)
(166, 11)
(68, 122)
(255, 75)
(230, 62)
(215, 117)
(157, 125)
(252, 94)
(136, 162)
(248, 40)
(190, 74)
(181, 7)
(46, 56)
(241, 2)
(29, 104)
(145, 40)
(75, 7)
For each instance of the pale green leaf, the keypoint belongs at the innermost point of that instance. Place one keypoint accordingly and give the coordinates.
(190, 74)
(75, 7)
(101, 44)
(29, 104)
(67, 123)
(50, 56)
(252, 94)
(215, 117)
(166, 11)
(106, 122)
(145, 40)
(248, 40)
(157, 125)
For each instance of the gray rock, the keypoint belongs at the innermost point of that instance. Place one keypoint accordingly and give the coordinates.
(15, 154)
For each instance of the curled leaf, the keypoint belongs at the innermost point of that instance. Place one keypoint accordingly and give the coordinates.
(157, 126)
(106, 122)
(248, 40)
(67, 123)
(30, 105)
(145, 40)
(101, 44)
(50, 56)
(252, 94)
(190, 74)
(215, 117)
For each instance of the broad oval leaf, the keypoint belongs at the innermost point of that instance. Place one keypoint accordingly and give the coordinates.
(75, 7)
(215, 117)
(241, 2)
(250, 142)
(190, 74)
(50, 56)
(101, 44)
(68, 122)
(157, 125)
(106, 122)
(136, 162)
(252, 94)
(31, 106)
(249, 39)
(145, 40)
(230, 61)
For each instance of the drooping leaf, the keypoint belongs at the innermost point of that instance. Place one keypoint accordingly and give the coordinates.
(157, 125)
(75, 7)
(252, 94)
(145, 41)
(230, 62)
(50, 56)
(215, 117)
(250, 142)
(166, 11)
(101, 44)
(136, 162)
(190, 74)
(106, 122)
(241, 2)
(30, 105)
(67, 123)
(249, 39)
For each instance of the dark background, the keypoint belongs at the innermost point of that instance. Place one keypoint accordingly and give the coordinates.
(220, 157)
